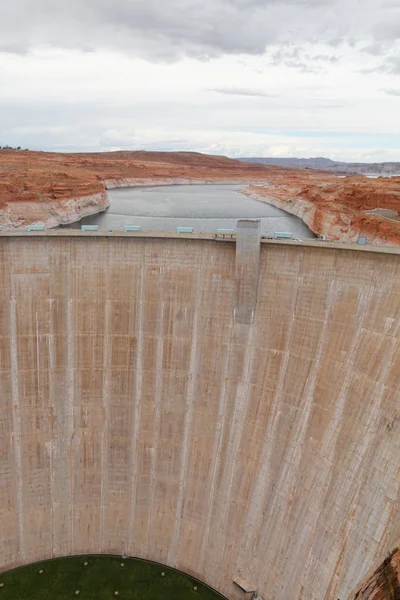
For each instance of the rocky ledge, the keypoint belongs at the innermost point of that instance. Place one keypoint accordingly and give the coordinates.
(18, 215)
(53, 189)
(335, 207)
(384, 583)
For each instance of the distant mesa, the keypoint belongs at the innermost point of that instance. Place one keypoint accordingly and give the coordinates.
(326, 164)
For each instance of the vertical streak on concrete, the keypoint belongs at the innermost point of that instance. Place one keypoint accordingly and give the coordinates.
(136, 416)
(16, 426)
(217, 446)
(70, 396)
(188, 422)
(378, 395)
(253, 522)
(53, 426)
(294, 460)
(158, 401)
(245, 335)
(37, 351)
(246, 282)
(355, 564)
(247, 270)
(105, 403)
(364, 443)
(327, 445)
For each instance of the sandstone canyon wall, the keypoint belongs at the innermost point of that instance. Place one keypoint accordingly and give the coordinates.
(61, 188)
(52, 214)
(384, 584)
(53, 189)
(336, 208)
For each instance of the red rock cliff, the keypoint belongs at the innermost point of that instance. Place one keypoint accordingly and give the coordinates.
(59, 188)
(334, 206)
(384, 583)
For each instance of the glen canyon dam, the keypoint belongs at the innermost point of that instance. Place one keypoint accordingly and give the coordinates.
(227, 407)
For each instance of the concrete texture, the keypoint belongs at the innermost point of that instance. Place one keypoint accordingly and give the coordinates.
(247, 270)
(138, 417)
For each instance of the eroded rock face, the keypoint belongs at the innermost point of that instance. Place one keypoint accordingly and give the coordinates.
(62, 188)
(384, 583)
(58, 189)
(18, 215)
(335, 207)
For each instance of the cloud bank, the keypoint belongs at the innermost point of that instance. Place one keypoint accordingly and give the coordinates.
(242, 77)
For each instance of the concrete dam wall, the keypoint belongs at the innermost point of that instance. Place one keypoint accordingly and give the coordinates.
(146, 411)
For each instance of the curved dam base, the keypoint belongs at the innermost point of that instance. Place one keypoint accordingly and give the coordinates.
(229, 408)
(101, 578)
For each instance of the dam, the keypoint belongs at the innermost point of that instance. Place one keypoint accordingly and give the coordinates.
(229, 408)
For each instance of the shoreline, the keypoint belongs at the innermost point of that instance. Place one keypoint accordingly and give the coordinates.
(112, 184)
(327, 221)
(72, 210)
(53, 214)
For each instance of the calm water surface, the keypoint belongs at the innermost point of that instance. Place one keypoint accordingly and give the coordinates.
(206, 208)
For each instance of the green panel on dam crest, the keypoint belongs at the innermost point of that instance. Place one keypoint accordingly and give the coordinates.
(99, 578)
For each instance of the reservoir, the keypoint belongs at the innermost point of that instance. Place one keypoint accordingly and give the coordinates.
(206, 208)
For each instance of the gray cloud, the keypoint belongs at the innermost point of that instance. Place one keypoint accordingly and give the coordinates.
(66, 100)
(392, 92)
(167, 30)
(328, 106)
(242, 92)
(376, 49)
(388, 63)
(305, 62)
(393, 64)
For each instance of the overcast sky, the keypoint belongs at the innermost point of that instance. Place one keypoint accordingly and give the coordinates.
(235, 77)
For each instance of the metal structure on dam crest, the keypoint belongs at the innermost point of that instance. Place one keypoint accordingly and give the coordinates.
(229, 408)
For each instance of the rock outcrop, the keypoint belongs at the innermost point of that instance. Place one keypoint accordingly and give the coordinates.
(18, 215)
(58, 189)
(335, 207)
(384, 584)
(62, 188)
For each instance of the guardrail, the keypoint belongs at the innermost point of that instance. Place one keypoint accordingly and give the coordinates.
(283, 235)
(35, 228)
(225, 231)
(89, 227)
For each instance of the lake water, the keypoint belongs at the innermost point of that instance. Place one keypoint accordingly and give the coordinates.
(206, 208)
